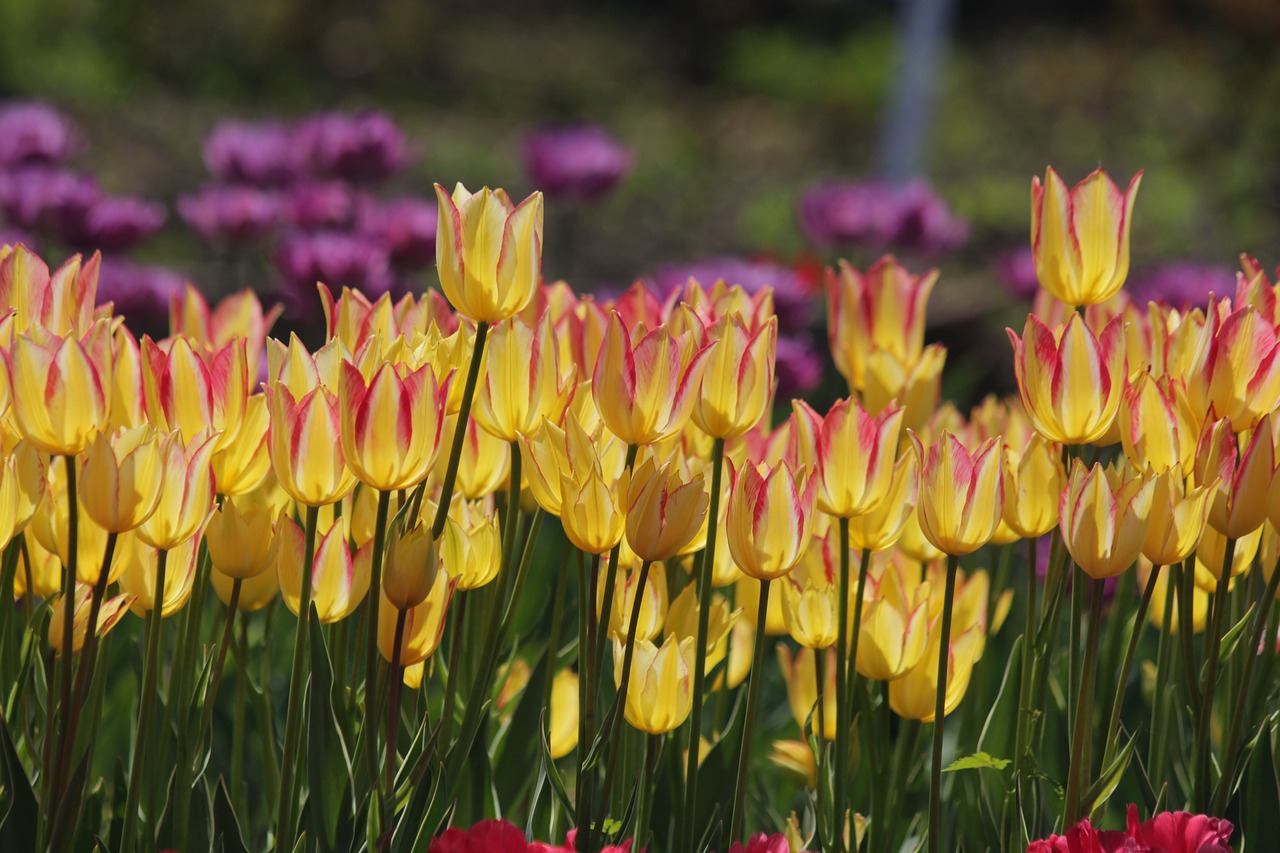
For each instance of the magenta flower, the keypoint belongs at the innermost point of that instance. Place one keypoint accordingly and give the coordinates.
(487, 836)
(335, 258)
(316, 205)
(1182, 284)
(1181, 832)
(12, 237)
(232, 213)
(405, 227)
(877, 216)
(793, 298)
(261, 154)
(118, 223)
(140, 293)
(360, 147)
(42, 198)
(1017, 271)
(578, 161)
(32, 132)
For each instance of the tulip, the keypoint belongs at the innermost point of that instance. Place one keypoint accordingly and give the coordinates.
(1239, 503)
(1234, 369)
(563, 734)
(795, 757)
(339, 577)
(572, 451)
(488, 252)
(737, 385)
(961, 493)
(378, 455)
(410, 567)
(10, 498)
(881, 528)
(811, 596)
(423, 624)
(915, 386)
(50, 528)
(1104, 519)
(121, 479)
(45, 572)
(1033, 479)
(1070, 380)
(61, 303)
(29, 478)
(242, 539)
(659, 697)
(664, 512)
(915, 694)
(653, 605)
(242, 464)
(1211, 558)
(186, 493)
(1080, 237)
(1176, 520)
(190, 391)
(524, 380)
(59, 386)
(255, 592)
(1157, 428)
(238, 316)
(855, 455)
(128, 400)
(471, 547)
(895, 628)
(306, 445)
(770, 519)
(682, 622)
(109, 614)
(798, 671)
(140, 567)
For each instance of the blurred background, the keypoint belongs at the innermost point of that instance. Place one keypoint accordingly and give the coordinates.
(758, 139)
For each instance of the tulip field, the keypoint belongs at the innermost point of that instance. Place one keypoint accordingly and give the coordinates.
(496, 565)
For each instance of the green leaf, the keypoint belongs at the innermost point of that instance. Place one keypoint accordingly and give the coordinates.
(1102, 788)
(1232, 638)
(67, 817)
(977, 761)
(551, 771)
(1002, 721)
(18, 803)
(227, 837)
(1260, 791)
(332, 790)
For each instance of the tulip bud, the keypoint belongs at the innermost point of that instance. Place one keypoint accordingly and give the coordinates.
(1104, 523)
(423, 623)
(663, 512)
(410, 568)
(1033, 480)
(242, 542)
(121, 479)
(961, 493)
(770, 519)
(659, 697)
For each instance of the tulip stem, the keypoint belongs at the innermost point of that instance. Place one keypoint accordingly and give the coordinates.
(584, 685)
(68, 623)
(1212, 641)
(460, 431)
(1186, 610)
(844, 715)
(753, 702)
(1020, 755)
(452, 676)
(620, 701)
(284, 837)
(393, 716)
(372, 601)
(940, 708)
(1078, 774)
(706, 566)
(1251, 653)
(1156, 744)
(149, 697)
(644, 808)
(1113, 724)
(819, 737)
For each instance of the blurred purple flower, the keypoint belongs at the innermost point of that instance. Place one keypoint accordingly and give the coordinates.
(576, 161)
(317, 205)
(876, 215)
(405, 226)
(12, 237)
(1183, 283)
(799, 365)
(262, 154)
(40, 198)
(363, 146)
(335, 258)
(140, 293)
(32, 132)
(117, 223)
(232, 213)
(792, 299)
(1017, 270)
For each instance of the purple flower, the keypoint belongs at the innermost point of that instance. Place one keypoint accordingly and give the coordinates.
(877, 215)
(363, 146)
(317, 205)
(578, 161)
(335, 258)
(799, 365)
(232, 213)
(1017, 270)
(118, 223)
(792, 298)
(40, 198)
(32, 132)
(12, 237)
(261, 154)
(140, 293)
(405, 227)
(1183, 283)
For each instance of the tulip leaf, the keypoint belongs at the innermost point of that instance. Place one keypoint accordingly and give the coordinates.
(1231, 639)
(552, 772)
(1103, 787)
(332, 792)
(226, 834)
(17, 800)
(67, 817)
(977, 761)
(1002, 720)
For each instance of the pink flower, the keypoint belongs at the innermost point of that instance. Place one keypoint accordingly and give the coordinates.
(761, 843)
(1181, 832)
(487, 836)
(539, 847)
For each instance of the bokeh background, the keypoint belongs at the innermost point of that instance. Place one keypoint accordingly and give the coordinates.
(731, 110)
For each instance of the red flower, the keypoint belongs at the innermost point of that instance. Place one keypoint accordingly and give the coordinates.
(487, 836)
(761, 843)
(540, 847)
(1181, 832)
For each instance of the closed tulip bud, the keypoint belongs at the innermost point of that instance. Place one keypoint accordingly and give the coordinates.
(1234, 370)
(1160, 593)
(961, 493)
(524, 380)
(423, 623)
(186, 493)
(109, 614)
(1080, 237)
(339, 577)
(1104, 519)
(306, 445)
(882, 310)
(737, 386)
(881, 528)
(121, 478)
(1070, 380)
(140, 566)
(471, 546)
(190, 390)
(1156, 424)
(895, 627)
(1033, 479)
(914, 695)
(244, 463)
(795, 757)
(915, 386)
(390, 427)
(663, 511)
(1177, 518)
(682, 622)
(1239, 503)
(410, 568)
(653, 604)
(802, 692)
(645, 391)
(60, 389)
(660, 694)
(241, 538)
(255, 593)
(811, 596)
(856, 453)
(594, 519)
(770, 519)
(563, 734)
(488, 252)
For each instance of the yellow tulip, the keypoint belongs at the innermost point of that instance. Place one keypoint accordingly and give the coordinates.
(62, 302)
(121, 478)
(746, 598)
(242, 542)
(471, 545)
(186, 494)
(306, 445)
(423, 624)
(914, 695)
(593, 517)
(770, 519)
(485, 464)
(255, 592)
(882, 527)
(563, 734)
(961, 493)
(1080, 237)
(128, 400)
(30, 478)
(488, 252)
(1177, 518)
(45, 572)
(800, 675)
(795, 757)
(523, 381)
(1211, 556)
(390, 427)
(1234, 370)
(811, 596)
(653, 604)
(242, 464)
(10, 498)
(659, 697)
(237, 316)
(59, 385)
(895, 627)
(682, 622)
(191, 391)
(1104, 519)
(1033, 480)
(663, 512)
(1156, 425)
(1239, 503)
(855, 455)
(339, 578)
(915, 386)
(737, 385)
(140, 566)
(410, 567)
(109, 614)
(49, 528)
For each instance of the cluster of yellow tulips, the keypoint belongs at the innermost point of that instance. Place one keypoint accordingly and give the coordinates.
(394, 486)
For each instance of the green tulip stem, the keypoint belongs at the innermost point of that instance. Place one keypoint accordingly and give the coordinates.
(1082, 734)
(753, 702)
(460, 431)
(1113, 724)
(373, 601)
(940, 708)
(1212, 642)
